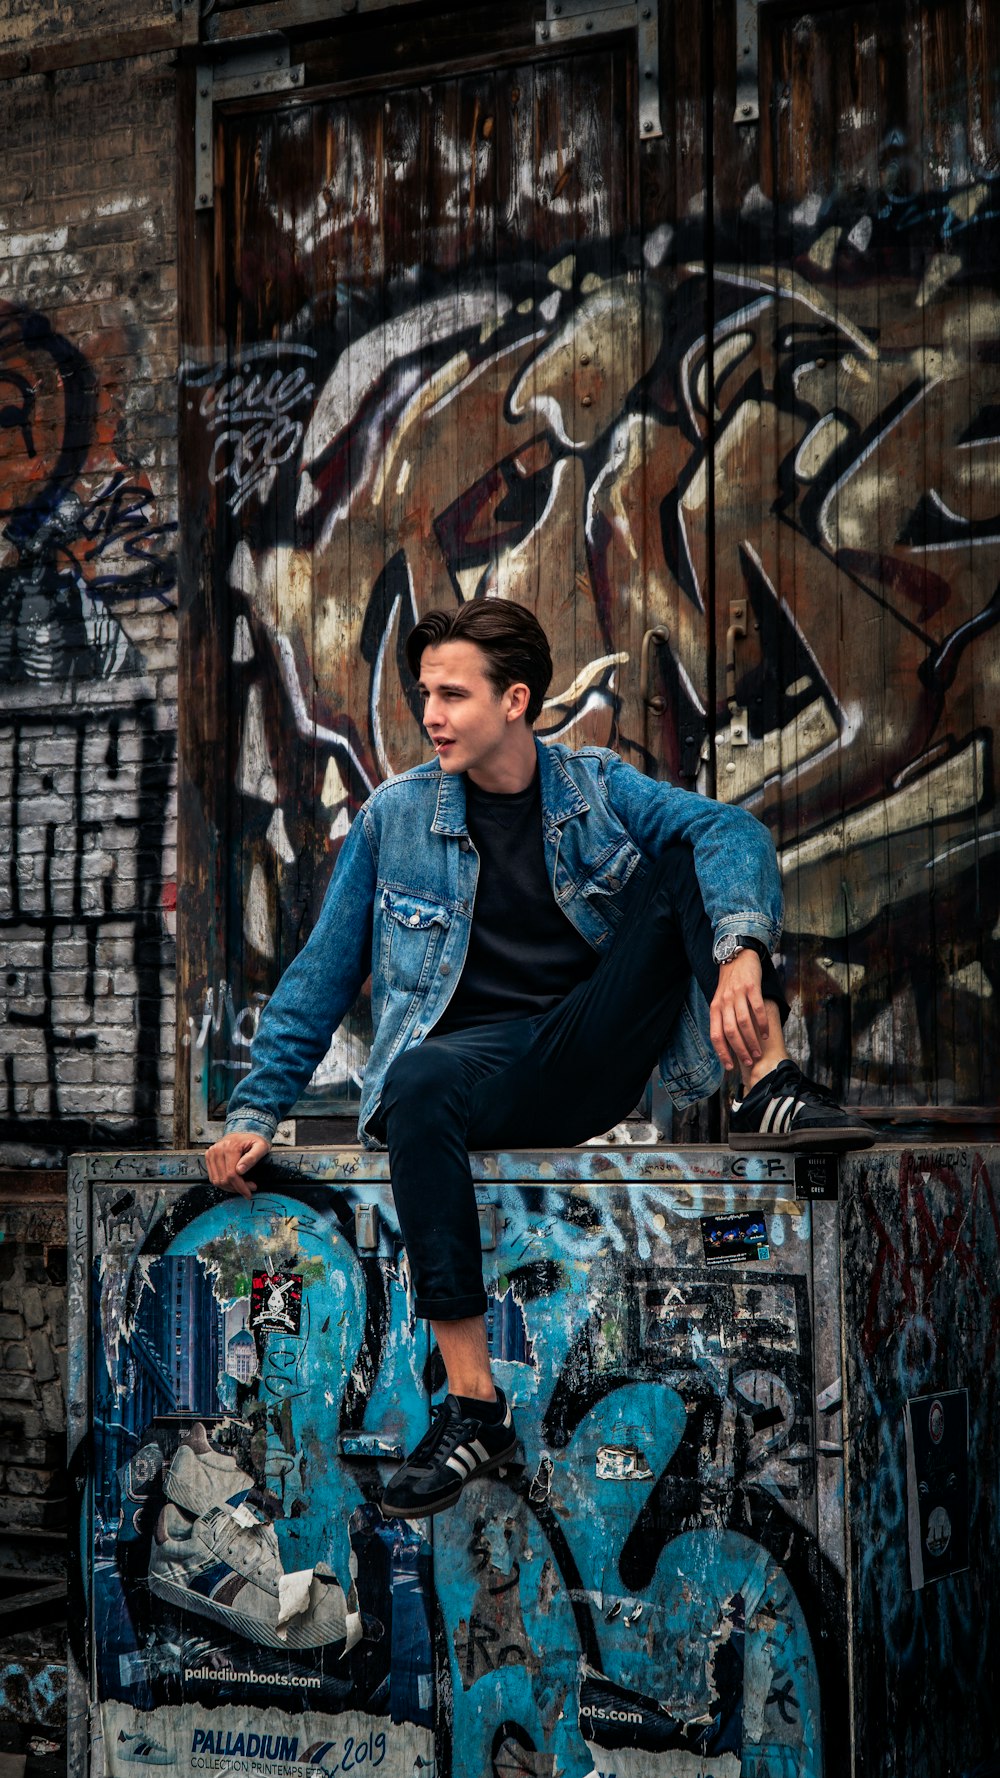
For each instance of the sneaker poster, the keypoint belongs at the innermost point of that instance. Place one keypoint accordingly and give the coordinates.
(253, 1613)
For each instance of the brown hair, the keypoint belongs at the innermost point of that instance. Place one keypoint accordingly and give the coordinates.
(510, 636)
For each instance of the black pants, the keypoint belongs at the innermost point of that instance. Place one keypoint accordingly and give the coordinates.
(544, 1082)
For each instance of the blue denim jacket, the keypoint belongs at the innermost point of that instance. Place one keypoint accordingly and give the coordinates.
(399, 905)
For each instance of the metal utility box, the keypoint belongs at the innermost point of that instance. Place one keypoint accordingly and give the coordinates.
(656, 1589)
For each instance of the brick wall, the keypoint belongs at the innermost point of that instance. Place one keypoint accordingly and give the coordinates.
(88, 357)
(33, 1367)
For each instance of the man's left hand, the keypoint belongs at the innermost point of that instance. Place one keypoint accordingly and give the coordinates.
(740, 1025)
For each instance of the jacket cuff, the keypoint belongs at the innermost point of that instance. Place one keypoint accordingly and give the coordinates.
(252, 1122)
(744, 925)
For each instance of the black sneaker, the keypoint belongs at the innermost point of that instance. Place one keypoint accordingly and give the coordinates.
(785, 1110)
(457, 1447)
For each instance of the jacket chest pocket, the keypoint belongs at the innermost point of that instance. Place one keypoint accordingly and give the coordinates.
(607, 880)
(413, 932)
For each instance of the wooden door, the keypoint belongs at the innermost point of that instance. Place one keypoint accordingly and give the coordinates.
(438, 362)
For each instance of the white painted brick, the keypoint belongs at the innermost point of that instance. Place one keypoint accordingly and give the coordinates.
(18, 1040)
(30, 1068)
(70, 953)
(112, 1038)
(75, 1066)
(113, 1070)
(69, 982)
(96, 1101)
(54, 750)
(72, 1014)
(24, 954)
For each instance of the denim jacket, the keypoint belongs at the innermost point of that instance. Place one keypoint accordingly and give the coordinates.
(399, 906)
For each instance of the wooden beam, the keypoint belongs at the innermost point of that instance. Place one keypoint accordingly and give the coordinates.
(83, 52)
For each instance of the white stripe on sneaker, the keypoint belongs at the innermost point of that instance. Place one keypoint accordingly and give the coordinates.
(766, 1120)
(459, 1467)
(479, 1448)
(465, 1456)
(784, 1117)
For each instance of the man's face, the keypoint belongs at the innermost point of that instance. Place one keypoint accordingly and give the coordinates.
(470, 727)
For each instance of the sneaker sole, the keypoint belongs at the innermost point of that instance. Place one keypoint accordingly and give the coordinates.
(239, 1623)
(832, 1141)
(423, 1511)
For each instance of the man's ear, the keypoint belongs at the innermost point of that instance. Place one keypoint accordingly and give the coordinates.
(520, 697)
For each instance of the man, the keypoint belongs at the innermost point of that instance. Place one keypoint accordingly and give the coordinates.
(540, 925)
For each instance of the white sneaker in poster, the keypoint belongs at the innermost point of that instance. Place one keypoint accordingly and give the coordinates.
(213, 1555)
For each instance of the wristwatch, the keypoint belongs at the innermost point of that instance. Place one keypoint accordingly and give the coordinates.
(734, 942)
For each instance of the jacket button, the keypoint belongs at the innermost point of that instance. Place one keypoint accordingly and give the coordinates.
(465, 844)
(445, 969)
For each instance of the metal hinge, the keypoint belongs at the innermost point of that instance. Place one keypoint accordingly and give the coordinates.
(244, 75)
(567, 21)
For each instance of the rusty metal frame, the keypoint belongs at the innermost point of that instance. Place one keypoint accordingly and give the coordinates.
(569, 21)
(240, 75)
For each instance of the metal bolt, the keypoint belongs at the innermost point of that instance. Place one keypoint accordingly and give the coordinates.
(747, 110)
(256, 86)
(646, 12)
(586, 401)
(203, 90)
(204, 147)
(545, 37)
(203, 197)
(650, 74)
(648, 124)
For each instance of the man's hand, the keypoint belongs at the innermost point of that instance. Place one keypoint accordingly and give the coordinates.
(740, 1024)
(232, 1157)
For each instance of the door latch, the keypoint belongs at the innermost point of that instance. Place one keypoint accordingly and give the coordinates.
(739, 731)
(653, 700)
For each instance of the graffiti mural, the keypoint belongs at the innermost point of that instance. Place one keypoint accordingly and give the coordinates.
(80, 533)
(921, 1270)
(83, 750)
(647, 1589)
(623, 467)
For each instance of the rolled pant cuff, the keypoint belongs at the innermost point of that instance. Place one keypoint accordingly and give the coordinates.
(450, 1308)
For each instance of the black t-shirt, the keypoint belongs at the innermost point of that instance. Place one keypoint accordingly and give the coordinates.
(524, 954)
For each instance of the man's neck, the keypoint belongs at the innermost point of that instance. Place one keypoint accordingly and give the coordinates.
(512, 772)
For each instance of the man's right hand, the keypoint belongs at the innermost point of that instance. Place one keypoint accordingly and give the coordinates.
(231, 1158)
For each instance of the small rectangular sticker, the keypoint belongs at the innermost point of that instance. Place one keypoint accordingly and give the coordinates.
(816, 1176)
(732, 1238)
(276, 1301)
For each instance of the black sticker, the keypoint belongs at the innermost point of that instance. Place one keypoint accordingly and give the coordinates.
(936, 1429)
(731, 1238)
(816, 1176)
(276, 1301)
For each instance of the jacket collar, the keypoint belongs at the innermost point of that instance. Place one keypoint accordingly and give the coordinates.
(561, 798)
